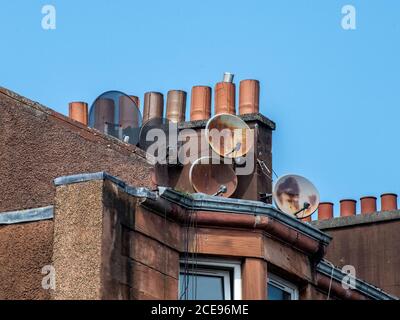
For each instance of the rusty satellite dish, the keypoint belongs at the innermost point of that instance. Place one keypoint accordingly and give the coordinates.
(295, 195)
(228, 135)
(116, 114)
(210, 176)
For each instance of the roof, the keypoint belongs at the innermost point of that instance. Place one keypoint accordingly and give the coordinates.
(359, 219)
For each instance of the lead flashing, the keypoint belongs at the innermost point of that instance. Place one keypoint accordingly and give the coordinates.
(85, 177)
(29, 215)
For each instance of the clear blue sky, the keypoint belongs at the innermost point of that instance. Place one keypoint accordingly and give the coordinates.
(334, 94)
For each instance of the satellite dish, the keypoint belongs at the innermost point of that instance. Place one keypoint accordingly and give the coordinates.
(228, 135)
(210, 176)
(295, 195)
(116, 114)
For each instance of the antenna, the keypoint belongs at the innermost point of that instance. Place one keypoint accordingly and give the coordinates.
(116, 114)
(228, 135)
(296, 196)
(210, 176)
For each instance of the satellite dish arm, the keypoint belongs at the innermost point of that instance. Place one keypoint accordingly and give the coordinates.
(306, 205)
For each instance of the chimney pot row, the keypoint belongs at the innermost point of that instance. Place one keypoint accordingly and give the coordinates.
(348, 206)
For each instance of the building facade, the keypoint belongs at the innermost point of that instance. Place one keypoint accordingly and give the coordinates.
(90, 213)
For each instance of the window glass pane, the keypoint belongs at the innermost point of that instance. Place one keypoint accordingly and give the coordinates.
(201, 287)
(275, 293)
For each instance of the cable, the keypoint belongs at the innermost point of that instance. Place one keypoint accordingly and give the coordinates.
(330, 283)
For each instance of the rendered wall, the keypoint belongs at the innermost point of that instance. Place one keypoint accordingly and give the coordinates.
(24, 250)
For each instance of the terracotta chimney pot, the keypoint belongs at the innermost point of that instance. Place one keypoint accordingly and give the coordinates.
(176, 106)
(249, 96)
(368, 205)
(225, 98)
(388, 202)
(200, 103)
(325, 211)
(79, 112)
(153, 106)
(348, 207)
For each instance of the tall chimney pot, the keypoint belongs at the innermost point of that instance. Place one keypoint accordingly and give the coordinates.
(153, 106)
(176, 106)
(348, 207)
(200, 103)
(128, 116)
(368, 205)
(325, 211)
(79, 111)
(249, 96)
(104, 113)
(225, 98)
(388, 202)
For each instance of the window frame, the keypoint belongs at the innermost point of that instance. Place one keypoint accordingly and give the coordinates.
(284, 285)
(229, 269)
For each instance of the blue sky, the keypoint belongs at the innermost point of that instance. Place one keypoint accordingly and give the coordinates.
(334, 94)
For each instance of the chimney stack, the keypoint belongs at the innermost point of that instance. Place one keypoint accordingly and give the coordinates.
(200, 104)
(368, 205)
(225, 94)
(79, 111)
(249, 96)
(388, 202)
(176, 106)
(348, 207)
(153, 106)
(325, 211)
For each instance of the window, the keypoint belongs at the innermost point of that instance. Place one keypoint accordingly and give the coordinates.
(206, 279)
(279, 289)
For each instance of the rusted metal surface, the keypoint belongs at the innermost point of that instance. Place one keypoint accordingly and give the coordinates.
(200, 106)
(153, 106)
(79, 112)
(225, 93)
(249, 96)
(176, 106)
